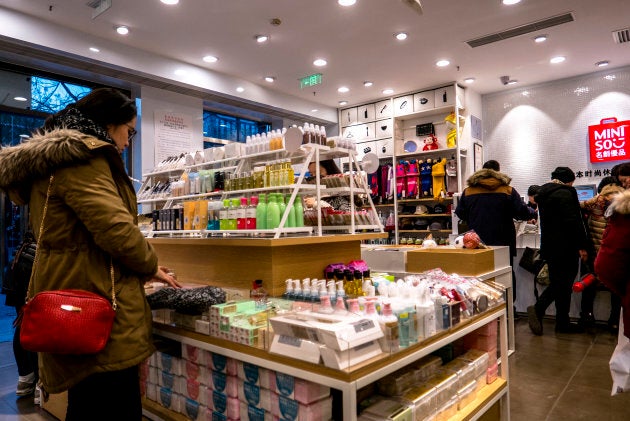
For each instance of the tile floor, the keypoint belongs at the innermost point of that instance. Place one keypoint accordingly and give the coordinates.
(554, 377)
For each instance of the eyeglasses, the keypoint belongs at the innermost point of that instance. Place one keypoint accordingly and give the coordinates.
(132, 132)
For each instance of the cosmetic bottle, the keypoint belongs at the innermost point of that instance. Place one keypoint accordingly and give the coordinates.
(367, 281)
(306, 134)
(341, 293)
(273, 212)
(306, 289)
(233, 213)
(403, 329)
(223, 215)
(332, 293)
(389, 325)
(291, 216)
(282, 206)
(316, 134)
(314, 297)
(426, 314)
(324, 306)
(348, 283)
(259, 295)
(358, 283)
(297, 290)
(288, 291)
(322, 135)
(241, 215)
(299, 211)
(353, 306)
(261, 212)
(250, 213)
(340, 307)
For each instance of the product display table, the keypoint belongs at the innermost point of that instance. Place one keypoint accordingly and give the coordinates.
(350, 380)
(236, 262)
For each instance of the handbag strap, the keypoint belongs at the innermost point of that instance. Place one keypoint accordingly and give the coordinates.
(39, 238)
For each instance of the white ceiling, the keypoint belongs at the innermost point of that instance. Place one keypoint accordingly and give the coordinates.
(358, 41)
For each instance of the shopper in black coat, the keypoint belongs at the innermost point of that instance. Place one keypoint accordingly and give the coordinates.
(563, 242)
(490, 205)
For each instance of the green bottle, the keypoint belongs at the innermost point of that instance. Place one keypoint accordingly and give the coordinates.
(299, 211)
(291, 219)
(283, 207)
(273, 212)
(261, 212)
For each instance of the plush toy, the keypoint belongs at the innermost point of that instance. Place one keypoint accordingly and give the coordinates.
(459, 242)
(430, 143)
(412, 179)
(426, 182)
(438, 173)
(471, 240)
(429, 242)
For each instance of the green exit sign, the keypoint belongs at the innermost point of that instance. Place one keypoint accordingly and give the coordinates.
(311, 80)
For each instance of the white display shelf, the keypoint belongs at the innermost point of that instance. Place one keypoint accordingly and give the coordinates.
(350, 380)
(228, 233)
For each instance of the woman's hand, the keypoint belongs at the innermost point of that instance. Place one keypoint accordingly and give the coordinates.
(166, 275)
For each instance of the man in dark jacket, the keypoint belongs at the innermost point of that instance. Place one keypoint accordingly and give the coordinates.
(489, 205)
(563, 241)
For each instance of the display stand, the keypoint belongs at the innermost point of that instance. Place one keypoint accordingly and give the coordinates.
(349, 381)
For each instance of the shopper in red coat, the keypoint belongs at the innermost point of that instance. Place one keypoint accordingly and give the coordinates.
(612, 264)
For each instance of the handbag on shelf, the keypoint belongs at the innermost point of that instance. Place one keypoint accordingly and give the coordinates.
(71, 321)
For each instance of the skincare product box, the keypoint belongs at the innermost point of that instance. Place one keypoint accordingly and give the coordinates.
(389, 409)
(298, 389)
(253, 374)
(289, 409)
(255, 396)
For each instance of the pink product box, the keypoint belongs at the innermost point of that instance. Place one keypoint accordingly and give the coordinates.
(223, 383)
(298, 389)
(152, 391)
(254, 374)
(250, 413)
(196, 391)
(482, 342)
(290, 409)
(489, 329)
(194, 410)
(221, 363)
(493, 373)
(223, 404)
(169, 363)
(153, 375)
(194, 354)
(255, 396)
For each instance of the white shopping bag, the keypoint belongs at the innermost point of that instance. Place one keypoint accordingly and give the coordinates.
(620, 363)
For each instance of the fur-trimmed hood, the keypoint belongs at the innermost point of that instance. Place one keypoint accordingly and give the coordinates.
(620, 204)
(489, 179)
(40, 155)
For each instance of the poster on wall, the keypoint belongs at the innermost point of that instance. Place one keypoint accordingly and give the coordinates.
(173, 134)
(608, 140)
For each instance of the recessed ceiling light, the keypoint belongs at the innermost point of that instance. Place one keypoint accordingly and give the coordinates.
(94, 50)
(262, 38)
(343, 89)
(602, 63)
(388, 91)
(469, 80)
(314, 110)
(170, 2)
(510, 2)
(343, 103)
(540, 38)
(367, 83)
(346, 2)
(122, 30)
(269, 79)
(240, 89)
(210, 59)
(442, 63)
(511, 82)
(558, 59)
(401, 36)
(320, 62)
(20, 98)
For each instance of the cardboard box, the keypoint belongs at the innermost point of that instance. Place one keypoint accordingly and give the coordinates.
(461, 261)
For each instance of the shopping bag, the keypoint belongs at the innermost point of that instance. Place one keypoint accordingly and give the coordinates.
(531, 260)
(620, 363)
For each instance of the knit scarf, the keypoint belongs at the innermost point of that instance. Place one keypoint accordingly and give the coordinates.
(72, 118)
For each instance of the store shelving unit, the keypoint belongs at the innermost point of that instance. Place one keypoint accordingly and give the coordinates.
(350, 380)
(304, 155)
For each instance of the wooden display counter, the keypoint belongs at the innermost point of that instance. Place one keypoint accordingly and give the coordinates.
(236, 262)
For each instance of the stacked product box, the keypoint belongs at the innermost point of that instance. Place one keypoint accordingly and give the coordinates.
(433, 391)
(486, 339)
(239, 322)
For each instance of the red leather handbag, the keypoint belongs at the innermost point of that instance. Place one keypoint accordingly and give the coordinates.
(70, 321)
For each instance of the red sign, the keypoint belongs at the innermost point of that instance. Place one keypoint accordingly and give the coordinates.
(608, 141)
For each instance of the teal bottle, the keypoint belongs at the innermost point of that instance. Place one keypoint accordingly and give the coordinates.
(299, 211)
(261, 212)
(273, 212)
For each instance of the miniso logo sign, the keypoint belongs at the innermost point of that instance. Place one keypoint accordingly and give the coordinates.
(608, 141)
